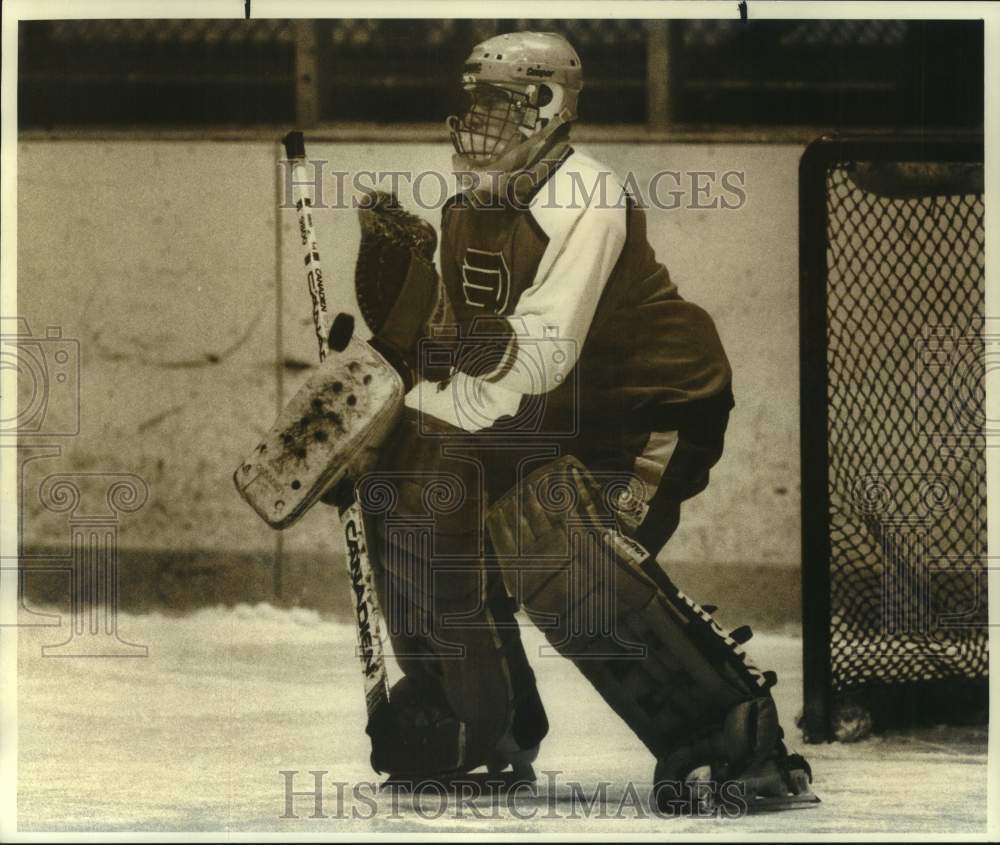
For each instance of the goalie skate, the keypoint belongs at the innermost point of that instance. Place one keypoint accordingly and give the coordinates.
(773, 786)
(780, 782)
(335, 422)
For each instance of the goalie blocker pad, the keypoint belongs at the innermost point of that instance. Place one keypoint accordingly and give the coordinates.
(659, 660)
(336, 421)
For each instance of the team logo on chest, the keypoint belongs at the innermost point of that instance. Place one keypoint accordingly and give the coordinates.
(485, 280)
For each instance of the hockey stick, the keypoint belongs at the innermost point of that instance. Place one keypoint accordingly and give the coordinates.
(367, 613)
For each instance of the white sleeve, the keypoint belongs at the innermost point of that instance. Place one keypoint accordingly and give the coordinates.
(552, 317)
(464, 401)
(560, 305)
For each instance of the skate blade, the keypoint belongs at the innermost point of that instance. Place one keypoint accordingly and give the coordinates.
(761, 795)
(801, 796)
(479, 783)
(772, 804)
(707, 805)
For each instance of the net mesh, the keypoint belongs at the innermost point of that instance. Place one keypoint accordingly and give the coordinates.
(907, 478)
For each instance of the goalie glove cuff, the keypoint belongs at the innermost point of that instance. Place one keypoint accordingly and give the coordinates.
(399, 361)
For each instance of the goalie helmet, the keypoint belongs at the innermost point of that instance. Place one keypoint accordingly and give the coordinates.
(522, 87)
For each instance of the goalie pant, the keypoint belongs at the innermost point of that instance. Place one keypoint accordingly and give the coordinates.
(468, 695)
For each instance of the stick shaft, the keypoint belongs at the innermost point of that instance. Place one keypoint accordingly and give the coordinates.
(367, 613)
(313, 266)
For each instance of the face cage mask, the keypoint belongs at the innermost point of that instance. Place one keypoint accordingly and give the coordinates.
(491, 123)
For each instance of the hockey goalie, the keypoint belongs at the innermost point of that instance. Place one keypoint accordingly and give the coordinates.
(552, 405)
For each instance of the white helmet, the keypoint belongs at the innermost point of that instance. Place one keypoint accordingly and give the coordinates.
(523, 86)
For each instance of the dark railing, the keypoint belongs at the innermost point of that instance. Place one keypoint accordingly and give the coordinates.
(650, 74)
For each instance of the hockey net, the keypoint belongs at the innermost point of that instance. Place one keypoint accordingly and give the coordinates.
(895, 275)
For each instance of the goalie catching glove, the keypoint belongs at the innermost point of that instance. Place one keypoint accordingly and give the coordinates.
(343, 413)
(396, 283)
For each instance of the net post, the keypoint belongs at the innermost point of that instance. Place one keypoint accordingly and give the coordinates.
(816, 717)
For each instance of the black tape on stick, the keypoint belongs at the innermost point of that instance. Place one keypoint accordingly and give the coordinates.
(295, 145)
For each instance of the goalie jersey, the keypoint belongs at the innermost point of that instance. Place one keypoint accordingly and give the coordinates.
(564, 321)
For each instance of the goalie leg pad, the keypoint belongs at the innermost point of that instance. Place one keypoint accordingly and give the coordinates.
(468, 694)
(450, 621)
(656, 657)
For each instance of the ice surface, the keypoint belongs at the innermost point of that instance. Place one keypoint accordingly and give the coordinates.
(194, 737)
